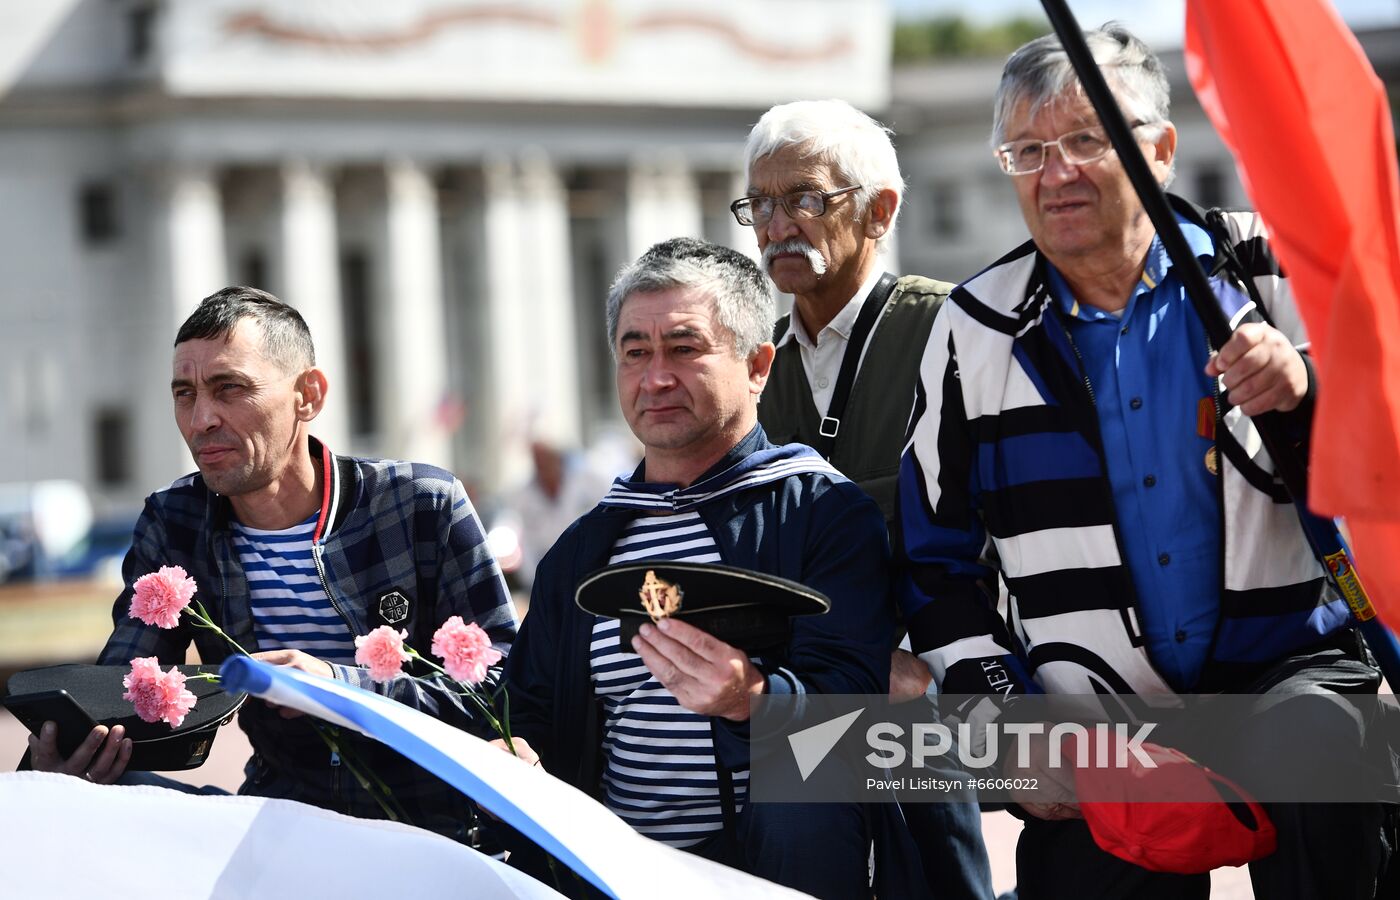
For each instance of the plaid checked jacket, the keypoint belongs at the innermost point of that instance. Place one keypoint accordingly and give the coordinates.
(385, 526)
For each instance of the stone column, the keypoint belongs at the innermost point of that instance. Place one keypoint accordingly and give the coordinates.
(190, 244)
(412, 323)
(189, 264)
(663, 201)
(507, 273)
(310, 260)
(553, 403)
(532, 373)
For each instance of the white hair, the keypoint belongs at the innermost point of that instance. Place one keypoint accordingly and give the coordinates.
(835, 132)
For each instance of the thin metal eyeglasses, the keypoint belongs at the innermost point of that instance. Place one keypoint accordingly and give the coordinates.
(1077, 148)
(798, 205)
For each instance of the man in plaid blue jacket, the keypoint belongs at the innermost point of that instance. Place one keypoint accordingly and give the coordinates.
(295, 552)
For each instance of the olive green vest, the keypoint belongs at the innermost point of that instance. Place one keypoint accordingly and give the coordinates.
(871, 436)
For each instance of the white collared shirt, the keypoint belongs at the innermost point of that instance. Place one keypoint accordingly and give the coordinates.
(821, 360)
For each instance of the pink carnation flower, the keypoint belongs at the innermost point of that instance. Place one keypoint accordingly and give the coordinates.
(465, 650)
(158, 598)
(157, 695)
(382, 650)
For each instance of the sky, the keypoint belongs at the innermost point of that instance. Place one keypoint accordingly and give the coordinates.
(1159, 22)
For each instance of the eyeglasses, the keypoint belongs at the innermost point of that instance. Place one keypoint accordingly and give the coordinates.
(1076, 148)
(798, 205)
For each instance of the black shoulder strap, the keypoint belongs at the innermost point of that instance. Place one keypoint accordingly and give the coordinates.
(870, 311)
(780, 327)
(1228, 261)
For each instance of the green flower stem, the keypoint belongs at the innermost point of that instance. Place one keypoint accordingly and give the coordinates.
(371, 783)
(475, 694)
(201, 619)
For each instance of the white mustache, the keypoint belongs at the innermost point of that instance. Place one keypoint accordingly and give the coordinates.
(795, 245)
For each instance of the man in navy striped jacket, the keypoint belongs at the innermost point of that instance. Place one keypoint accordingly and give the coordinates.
(659, 730)
(1072, 435)
(295, 552)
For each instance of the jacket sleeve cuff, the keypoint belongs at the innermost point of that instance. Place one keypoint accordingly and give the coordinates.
(734, 740)
(1298, 420)
(352, 675)
(782, 682)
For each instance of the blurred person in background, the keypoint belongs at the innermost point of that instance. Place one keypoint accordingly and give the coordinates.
(295, 552)
(823, 195)
(1075, 436)
(562, 488)
(688, 324)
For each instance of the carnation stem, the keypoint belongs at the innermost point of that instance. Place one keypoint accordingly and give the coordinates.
(377, 789)
(475, 694)
(202, 619)
(370, 782)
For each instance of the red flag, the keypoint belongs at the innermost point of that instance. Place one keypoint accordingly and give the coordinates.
(1291, 93)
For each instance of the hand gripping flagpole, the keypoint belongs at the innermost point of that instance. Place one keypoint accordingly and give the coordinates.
(1290, 458)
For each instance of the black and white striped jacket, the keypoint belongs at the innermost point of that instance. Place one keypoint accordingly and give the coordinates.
(1000, 389)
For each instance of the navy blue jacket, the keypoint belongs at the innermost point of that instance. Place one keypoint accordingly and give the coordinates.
(814, 528)
(384, 526)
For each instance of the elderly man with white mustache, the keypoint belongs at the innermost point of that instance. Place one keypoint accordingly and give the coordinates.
(824, 191)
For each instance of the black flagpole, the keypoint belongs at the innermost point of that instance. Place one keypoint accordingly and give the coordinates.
(1289, 457)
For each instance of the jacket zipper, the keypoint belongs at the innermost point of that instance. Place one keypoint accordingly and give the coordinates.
(1083, 374)
(220, 551)
(317, 549)
(336, 780)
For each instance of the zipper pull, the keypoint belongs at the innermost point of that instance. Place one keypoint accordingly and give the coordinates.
(335, 759)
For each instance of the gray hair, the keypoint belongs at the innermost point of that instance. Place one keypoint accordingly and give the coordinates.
(1040, 72)
(286, 340)
(834, 131)
(743, 302)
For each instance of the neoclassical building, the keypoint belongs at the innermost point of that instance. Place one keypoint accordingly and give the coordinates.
(444, 189)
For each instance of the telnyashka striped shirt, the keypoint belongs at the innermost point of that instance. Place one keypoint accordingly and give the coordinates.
(290, 607)
(659, 774)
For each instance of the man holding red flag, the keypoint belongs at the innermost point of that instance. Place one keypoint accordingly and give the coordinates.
(1074, 434)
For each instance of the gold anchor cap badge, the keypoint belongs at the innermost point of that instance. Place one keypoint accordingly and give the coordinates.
(660, 598)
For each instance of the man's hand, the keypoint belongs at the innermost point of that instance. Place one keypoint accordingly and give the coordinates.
(909, 677)
(705, 674)
(296, 660)
(1262, 371)
(1052, 798)
(101, 758)
(522, 749)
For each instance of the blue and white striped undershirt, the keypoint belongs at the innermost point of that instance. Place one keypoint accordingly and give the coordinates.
(659, 774)
(290, 607)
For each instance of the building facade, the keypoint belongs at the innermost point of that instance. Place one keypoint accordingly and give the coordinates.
(443, 190)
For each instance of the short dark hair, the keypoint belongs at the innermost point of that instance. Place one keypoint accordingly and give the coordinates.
(743, 301)
(286, 339)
